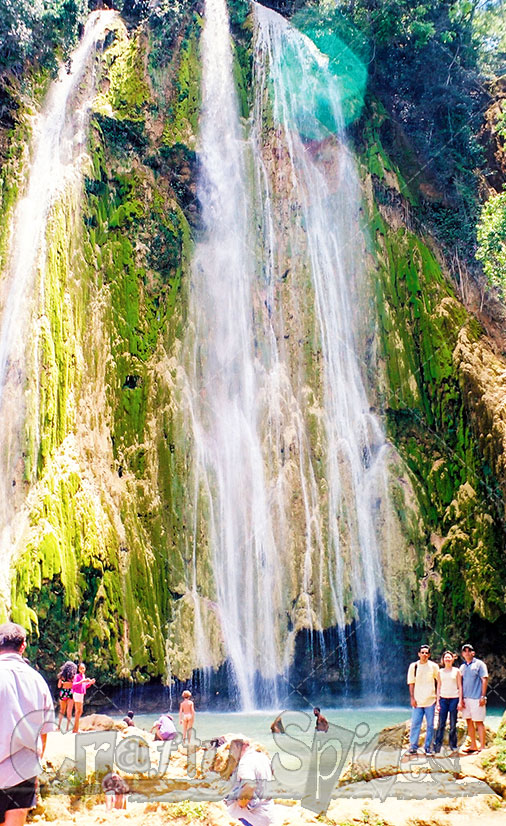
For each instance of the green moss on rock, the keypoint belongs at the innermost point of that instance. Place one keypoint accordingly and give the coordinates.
(420, 325)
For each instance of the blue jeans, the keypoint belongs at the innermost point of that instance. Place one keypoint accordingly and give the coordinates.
(447, 705)
(417, 715)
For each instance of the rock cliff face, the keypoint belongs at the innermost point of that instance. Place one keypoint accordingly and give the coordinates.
(443, 401)
(102, 567)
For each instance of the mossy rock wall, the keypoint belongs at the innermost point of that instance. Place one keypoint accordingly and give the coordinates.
(440, 391)
(103, 560)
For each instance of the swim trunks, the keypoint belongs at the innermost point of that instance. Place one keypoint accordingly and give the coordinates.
(21, 796)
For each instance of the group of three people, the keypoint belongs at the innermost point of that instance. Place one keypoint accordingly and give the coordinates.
(449, 690)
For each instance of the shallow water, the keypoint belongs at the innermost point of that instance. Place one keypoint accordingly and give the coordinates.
(362, 723)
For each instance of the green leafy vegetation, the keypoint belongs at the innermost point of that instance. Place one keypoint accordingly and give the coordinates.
(185, 808)
(39, 30)
(489, 27)
(492, 241)
(96, 573)
(420, 323)
(426, 75)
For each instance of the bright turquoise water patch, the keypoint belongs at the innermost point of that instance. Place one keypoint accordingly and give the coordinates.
(309, 96)
(316, 80)
(348, 55)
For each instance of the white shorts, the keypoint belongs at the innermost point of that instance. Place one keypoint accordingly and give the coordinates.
(473, 711)
(78, 698)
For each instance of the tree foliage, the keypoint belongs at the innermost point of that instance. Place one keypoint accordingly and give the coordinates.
(490, 31)
(36, 29)
(424, 68)
(492, 241)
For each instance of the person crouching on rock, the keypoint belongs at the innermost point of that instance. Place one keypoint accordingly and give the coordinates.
(129, 719)
(80, 685)
(249, 802)
(116, 788)
(164, 728)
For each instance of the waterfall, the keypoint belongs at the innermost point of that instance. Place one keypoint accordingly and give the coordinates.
(59, 135)
(226, 382)
(297, 90)
(290, 464)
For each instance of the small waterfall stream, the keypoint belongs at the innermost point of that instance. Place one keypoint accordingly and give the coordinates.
(289, 463)
(59, 137)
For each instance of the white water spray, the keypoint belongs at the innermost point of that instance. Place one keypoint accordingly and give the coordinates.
(288, 458)
(290, 77)
(224, 379)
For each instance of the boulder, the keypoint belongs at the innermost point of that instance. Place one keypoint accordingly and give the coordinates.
(101, 722)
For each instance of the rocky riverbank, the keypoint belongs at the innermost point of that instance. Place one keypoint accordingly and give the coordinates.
(380, 786)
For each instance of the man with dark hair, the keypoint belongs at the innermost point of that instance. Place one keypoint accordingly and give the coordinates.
(27, 714)
(423, 678)
(322, 724)
(474, 689)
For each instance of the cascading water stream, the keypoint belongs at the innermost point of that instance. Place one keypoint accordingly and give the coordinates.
(274, 271)
(59, 136)
(295, 86)
(224, 379)
(290, 465)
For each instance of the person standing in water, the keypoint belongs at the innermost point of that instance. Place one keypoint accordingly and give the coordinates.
(322, 724)
(80, 685)
(187, 715)
(277, 726)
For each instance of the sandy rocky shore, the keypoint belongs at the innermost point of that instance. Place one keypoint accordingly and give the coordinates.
(379, 786)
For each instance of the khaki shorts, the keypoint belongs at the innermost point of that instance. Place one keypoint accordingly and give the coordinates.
(473, 711)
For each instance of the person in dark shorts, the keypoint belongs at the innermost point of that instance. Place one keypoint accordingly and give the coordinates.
(27, 715)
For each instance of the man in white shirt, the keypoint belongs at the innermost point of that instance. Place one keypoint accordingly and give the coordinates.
(423, 678)
(164, 728)
(27, 714)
